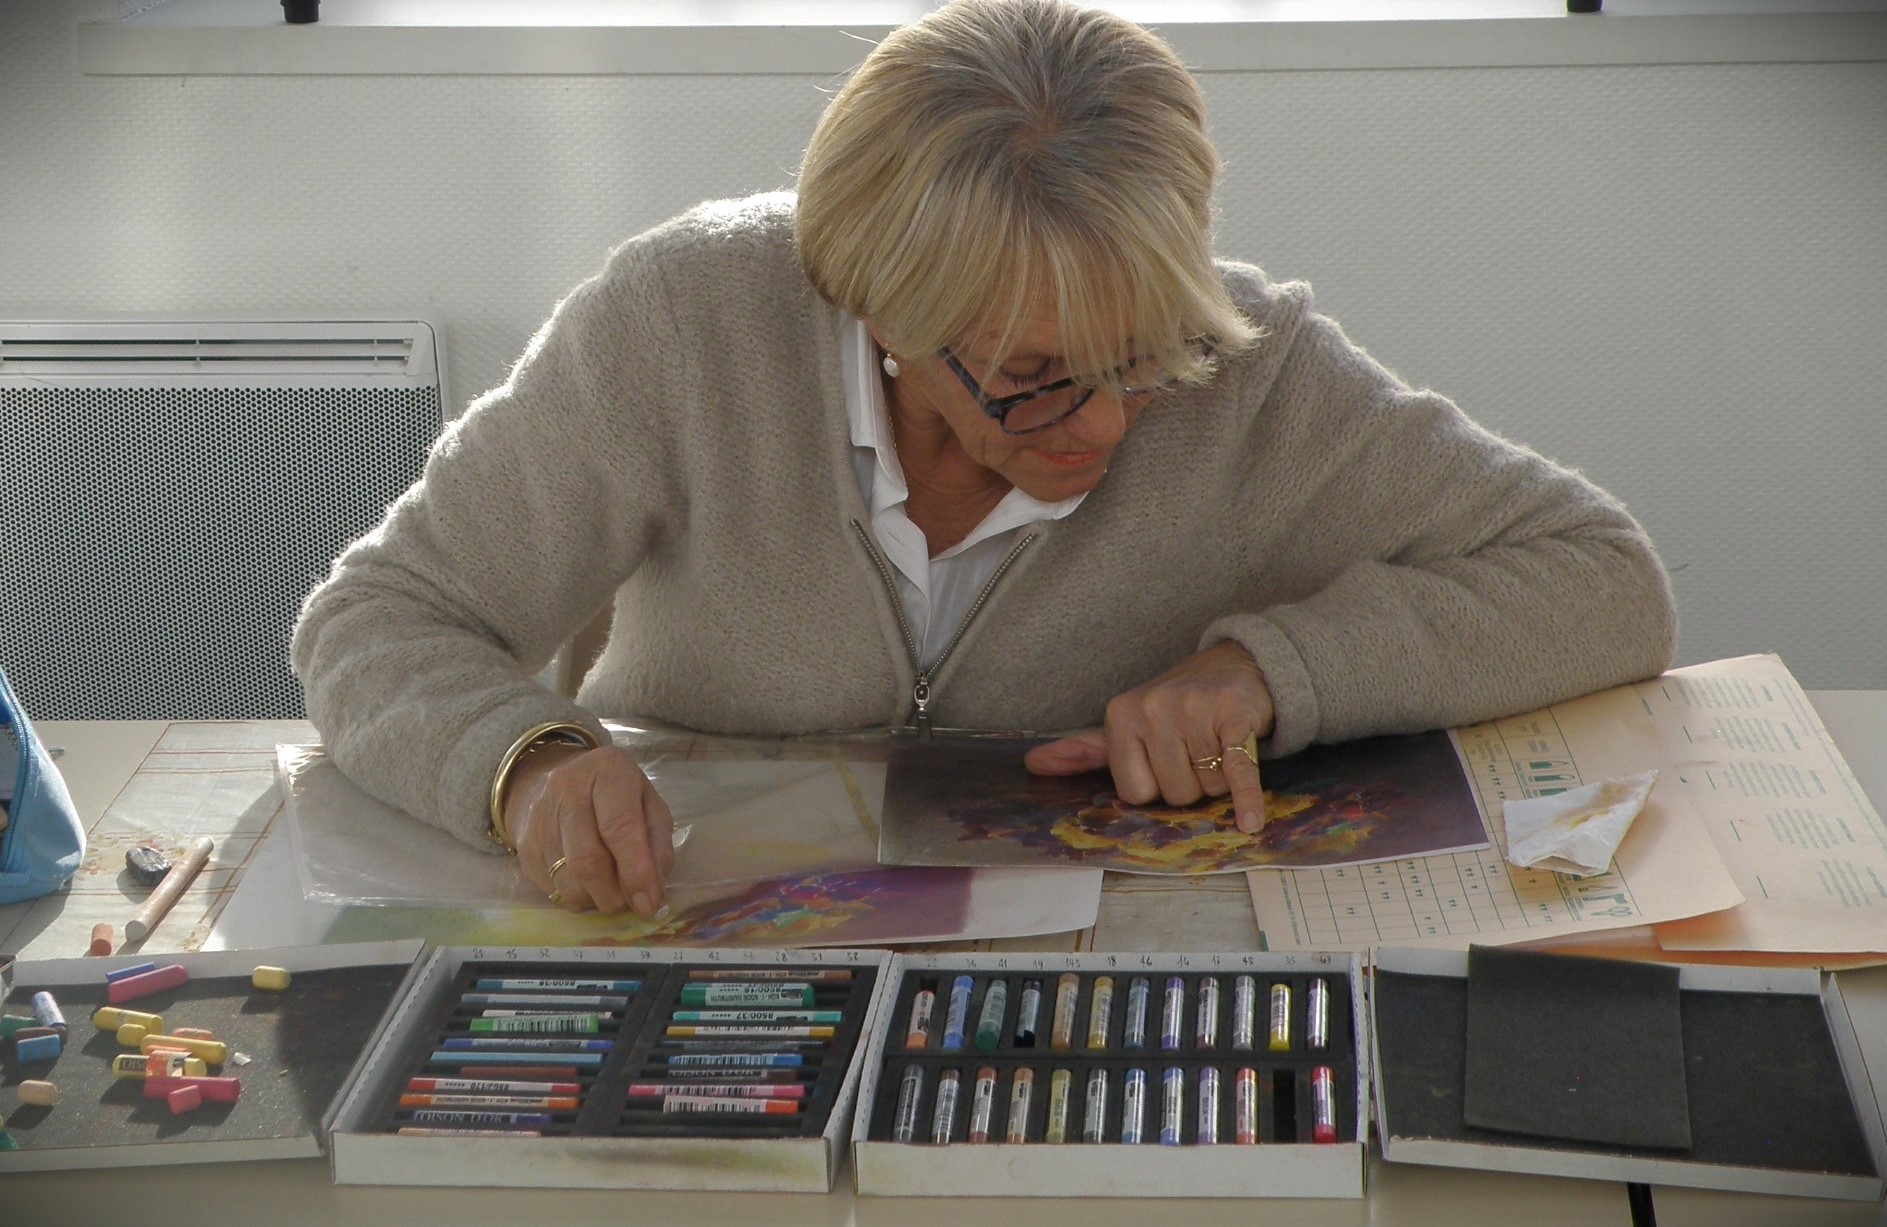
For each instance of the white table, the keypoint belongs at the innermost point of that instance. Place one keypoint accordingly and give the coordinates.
(109, 767)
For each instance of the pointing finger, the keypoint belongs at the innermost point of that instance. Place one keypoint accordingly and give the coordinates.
(1247, 786)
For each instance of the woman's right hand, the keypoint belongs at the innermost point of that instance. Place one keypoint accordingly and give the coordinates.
(597, 813)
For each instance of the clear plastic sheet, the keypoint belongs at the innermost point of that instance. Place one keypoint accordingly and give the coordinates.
(746, 810)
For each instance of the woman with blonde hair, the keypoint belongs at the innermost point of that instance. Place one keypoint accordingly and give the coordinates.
(973, 430)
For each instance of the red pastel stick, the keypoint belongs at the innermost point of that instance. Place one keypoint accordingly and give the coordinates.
(1323, 1104)
(497, 1103)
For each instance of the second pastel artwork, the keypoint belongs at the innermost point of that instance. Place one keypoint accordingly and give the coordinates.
(970, 801)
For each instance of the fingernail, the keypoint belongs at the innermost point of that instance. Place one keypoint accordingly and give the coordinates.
(663, 912)
(640, 903)
(1247, 822)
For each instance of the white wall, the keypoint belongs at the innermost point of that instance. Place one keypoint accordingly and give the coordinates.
(1671, 277)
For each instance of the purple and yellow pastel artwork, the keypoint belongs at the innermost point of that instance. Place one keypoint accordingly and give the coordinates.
(864, 907)
(970, 802)
(859, 908)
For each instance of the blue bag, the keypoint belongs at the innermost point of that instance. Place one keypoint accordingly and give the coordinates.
(43, 843)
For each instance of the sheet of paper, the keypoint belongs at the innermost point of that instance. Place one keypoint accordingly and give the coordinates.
(781, 850)
(1801, 838)
(1666, 868)
(1641, 945)
(981, 906)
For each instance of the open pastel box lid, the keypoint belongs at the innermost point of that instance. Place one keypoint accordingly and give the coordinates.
(365, 1152)
(1779, 1098)
(302, 1047)
(320, 1053)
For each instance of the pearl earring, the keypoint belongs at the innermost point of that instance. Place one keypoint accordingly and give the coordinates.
(891, 367)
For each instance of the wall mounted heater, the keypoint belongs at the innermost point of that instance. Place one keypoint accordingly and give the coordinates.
(170, 491)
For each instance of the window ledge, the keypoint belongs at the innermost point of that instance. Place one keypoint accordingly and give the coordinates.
(823, 37)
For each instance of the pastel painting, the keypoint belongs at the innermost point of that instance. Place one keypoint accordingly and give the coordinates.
(863, 908)
(970, 801)
(868, 907)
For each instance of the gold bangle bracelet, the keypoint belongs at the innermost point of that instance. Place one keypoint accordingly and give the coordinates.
(552, 732)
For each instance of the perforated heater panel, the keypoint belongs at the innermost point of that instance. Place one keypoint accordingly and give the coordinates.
(156, 542)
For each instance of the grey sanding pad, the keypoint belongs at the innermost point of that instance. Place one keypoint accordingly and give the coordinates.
(1566, 1047)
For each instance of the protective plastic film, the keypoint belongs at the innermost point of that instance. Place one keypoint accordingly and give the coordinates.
(746, 810)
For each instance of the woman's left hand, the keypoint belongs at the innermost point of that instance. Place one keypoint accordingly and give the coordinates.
(1159, 737)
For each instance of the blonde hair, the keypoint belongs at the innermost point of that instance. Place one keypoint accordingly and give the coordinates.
(998, 154)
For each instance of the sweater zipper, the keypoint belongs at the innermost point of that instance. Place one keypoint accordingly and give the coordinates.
(920, 683)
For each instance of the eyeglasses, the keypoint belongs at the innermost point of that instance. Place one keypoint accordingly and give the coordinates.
(1039, 408)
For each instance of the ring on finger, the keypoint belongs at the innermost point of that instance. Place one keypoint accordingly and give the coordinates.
(555, 865)
(1247, 747)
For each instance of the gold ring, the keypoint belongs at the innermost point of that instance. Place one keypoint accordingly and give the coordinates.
(1247, 747)
(555, 865)
(555, 896)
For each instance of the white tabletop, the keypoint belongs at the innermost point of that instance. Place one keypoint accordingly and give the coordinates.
(105, 765)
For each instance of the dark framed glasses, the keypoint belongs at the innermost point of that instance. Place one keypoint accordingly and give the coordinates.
(1023, 413)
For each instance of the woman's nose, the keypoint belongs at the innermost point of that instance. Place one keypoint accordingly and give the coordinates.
(1102, 420)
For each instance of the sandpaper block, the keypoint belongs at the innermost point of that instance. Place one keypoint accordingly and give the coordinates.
(1583, 1049)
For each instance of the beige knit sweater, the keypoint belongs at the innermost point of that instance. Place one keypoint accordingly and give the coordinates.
(676, 436)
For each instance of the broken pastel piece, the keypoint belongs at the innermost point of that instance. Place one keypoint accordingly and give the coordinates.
(147, 865)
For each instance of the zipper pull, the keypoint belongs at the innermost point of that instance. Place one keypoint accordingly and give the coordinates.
(920, 697)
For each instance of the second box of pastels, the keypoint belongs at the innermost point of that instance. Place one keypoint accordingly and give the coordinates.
(1123, 1075)
(614, 1068)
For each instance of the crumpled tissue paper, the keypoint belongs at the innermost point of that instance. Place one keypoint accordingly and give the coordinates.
(1577, 831)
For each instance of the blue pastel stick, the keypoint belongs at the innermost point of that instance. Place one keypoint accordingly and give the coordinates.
(36, 1048)
(958, 1018)
(136, 969)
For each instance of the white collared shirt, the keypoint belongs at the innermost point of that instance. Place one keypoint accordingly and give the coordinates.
(938, 591)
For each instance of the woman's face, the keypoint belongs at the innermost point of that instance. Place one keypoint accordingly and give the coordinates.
(1060, 462)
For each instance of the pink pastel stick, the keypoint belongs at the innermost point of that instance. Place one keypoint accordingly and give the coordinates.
(133, 987)
(185, 1099)
(214, 1090)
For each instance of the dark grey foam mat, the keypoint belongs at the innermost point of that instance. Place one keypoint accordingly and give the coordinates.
(1764, 1082)
(300, 1045)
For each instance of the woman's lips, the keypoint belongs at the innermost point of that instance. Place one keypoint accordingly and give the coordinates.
(1070, 460)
